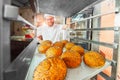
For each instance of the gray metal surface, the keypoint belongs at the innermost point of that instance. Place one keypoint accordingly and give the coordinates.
(1, 42)
(4, 40)
(96, 16)
(11, 12)
(116, 52)
(63, 7)
(20, 3)
(105, 76)
(114, 45)
(91, 29)
(20, 18)
(17, 70)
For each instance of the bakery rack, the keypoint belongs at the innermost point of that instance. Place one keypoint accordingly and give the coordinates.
(80, 73)
(92, 43)
(23, 67)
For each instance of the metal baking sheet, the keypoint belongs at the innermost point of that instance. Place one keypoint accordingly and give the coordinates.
(82, 72)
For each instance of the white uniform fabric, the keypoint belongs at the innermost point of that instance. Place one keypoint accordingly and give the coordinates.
(54, 33)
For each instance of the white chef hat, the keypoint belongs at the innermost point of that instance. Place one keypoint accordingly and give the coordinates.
(46, 15)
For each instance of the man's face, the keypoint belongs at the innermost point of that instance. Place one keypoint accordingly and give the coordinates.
(49, 20)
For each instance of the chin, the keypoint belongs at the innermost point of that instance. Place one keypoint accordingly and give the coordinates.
(50, 24)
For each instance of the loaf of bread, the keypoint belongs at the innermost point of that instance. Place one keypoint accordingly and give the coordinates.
(42, 48)
(50, 69)
(54, 51)
(79, 49)
(71, 58)
(93, 59)
(69, 45)
(46, 42)
(64, 42)
(58, 44)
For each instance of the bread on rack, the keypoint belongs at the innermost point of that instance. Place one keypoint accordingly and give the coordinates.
(44, 45)
(69, 45)
(46, 42)
(58, 44)
(64, 42)
(43, 48)
(71, 58)
(93, 59)
(79, 49)
(52, 68)
(54, 51)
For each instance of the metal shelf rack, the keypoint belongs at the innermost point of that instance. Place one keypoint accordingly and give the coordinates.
(114, 45)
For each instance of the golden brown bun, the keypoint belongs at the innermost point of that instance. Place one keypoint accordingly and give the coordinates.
(46, 42)
(50, 69)
(58, 44)
(69, 45)
(93, 59)
(54, 51)
(79, 49)
(71, 58)
(43, 48)
(64, 42)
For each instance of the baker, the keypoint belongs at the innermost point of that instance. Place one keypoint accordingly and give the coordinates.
(51, 31)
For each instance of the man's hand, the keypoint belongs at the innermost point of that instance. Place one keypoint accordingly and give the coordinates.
(40, 37)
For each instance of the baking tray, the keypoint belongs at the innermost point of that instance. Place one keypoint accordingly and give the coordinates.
(82, 72)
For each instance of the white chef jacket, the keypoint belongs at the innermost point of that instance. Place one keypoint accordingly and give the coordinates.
(54, 33)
